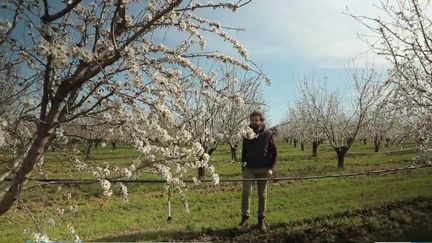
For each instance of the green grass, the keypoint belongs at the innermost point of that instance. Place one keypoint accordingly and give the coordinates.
(218, 207)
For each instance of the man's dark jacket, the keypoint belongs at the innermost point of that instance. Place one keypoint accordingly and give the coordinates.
(260, 152)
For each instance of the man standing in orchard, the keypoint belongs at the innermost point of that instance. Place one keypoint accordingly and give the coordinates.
(259, 158)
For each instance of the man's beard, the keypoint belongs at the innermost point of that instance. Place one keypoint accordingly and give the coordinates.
(255, 127)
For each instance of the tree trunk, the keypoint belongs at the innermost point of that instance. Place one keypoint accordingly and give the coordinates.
(233, 152)
(364, 141)
(42, 141)
(387, 142)
(302, 146)
(201, 170)
(340, 152)
(113, 144)
(314, 148)
(89, 145)
(377, 143)
(290, 141)
(295, 143)
(96, 143)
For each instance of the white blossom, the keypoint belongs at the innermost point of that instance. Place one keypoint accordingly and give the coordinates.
(41, 237)
(248, 133)
(51, 222)
(215, 179)
(73, 232)
(197, 148)
(4, 25)
(106, 186)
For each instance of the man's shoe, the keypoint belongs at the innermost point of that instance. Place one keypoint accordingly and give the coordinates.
(261, 225)
(244, 224)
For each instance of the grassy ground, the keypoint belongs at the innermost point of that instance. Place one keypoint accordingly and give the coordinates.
(407, 220)
(293, 207)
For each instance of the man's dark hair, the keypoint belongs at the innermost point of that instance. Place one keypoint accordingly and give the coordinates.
(257, 113)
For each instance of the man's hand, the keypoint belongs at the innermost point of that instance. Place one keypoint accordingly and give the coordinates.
(269, 173)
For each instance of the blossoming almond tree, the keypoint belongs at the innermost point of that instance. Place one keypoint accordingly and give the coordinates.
(299, 122)
(381, 123)
(110, 58)
(402, 35)
(212, 120)
(233, 123)
(303, 125)
(337, 118)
